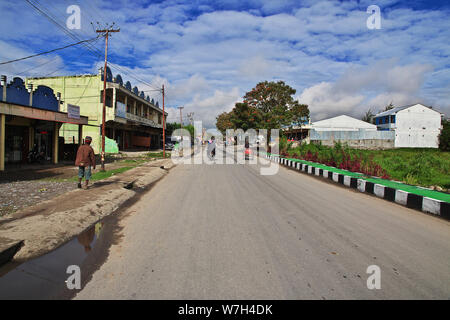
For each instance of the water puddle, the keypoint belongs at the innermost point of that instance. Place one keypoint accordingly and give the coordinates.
(44, 277)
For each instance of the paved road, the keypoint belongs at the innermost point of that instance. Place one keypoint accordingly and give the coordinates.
(226, 232)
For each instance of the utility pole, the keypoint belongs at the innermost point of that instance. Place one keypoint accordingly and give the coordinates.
(181, 127)
(106, 32)
(164, 126)
(190, 115)
(181, 117)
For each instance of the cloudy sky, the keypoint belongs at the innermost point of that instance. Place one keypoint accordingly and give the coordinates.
(209, 53)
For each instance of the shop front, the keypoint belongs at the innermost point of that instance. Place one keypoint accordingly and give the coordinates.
(30, 135)
(30, 121)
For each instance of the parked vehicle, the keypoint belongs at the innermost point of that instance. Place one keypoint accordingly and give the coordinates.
(169, 146)
(35, 155)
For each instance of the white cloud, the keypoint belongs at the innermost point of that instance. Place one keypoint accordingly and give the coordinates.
(372, 87)
(323, 101)
(209, 108)
(321, 48)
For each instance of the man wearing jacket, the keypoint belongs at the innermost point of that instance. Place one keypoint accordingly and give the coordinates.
(85, 161)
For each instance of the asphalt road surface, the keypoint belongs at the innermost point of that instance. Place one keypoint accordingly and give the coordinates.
(227, 232)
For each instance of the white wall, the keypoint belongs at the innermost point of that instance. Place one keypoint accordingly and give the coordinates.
(417, 127)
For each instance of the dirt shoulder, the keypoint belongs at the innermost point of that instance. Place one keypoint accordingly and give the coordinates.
(51, 223)
(30, 184)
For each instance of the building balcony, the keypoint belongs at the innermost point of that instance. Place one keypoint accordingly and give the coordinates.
(386, 126)
(144, 121)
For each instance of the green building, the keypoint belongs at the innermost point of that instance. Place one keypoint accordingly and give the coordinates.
(133, 121)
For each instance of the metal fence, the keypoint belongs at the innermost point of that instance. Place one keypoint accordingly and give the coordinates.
(352, 135)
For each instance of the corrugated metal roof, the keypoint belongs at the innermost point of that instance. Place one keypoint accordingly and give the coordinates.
(395, 110)
(343, 122)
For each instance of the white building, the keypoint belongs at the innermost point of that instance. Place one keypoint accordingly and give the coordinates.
(415, 126)
(343, 123)
(350, 131)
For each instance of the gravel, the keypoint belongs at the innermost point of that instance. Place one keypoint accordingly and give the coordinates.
(20, 194)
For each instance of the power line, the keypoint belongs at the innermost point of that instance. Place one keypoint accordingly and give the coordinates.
(54, 21)
(88, 46)
(38, 66)
(89, 82)
(64, 65)
(95, 51)
(46, 52)
(117, 67)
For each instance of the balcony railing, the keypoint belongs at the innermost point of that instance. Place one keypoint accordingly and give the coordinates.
(142, 120)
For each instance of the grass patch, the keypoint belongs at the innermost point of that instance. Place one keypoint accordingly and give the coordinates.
(134, 161)
(97, 174)
(414, 166)
(157, 154)
(103, 175)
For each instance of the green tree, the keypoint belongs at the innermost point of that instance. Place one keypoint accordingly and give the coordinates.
(190, 129)
(270, 105)
(223, 122)
(172, 126)
(276, 105)
(245, 117)
(444, 136)
(299, 113)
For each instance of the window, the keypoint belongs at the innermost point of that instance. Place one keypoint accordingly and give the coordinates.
(108, 99)
(392, 118)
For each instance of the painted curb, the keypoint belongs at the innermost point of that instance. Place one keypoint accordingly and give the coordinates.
(410, 200)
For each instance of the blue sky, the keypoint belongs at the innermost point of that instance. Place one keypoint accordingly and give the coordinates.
(208, 54)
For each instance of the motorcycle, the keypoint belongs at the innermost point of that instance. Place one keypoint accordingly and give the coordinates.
(248, 154)
(35, 156)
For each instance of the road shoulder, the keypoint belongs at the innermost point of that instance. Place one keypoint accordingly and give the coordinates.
(49, 224)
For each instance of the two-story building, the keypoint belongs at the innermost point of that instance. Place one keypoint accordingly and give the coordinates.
(133, 120)
(298, 131)
(415, 126)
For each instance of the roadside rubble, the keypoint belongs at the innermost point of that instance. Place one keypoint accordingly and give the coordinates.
(51, 223)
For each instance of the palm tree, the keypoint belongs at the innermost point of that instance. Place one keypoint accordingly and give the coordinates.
(368, 116)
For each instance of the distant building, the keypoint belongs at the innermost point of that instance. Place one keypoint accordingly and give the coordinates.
(342, 123)
(133, 120)
(415, 126)
(353, 132)
(298, 131)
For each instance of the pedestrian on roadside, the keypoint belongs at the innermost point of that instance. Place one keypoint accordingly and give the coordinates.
(85, 161)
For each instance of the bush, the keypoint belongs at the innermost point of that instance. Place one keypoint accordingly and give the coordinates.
(416, 166)
(340, 156)
(444, 137)
(283, 145)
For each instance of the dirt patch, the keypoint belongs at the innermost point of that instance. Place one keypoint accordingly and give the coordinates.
(32, 184)
(20, 194)
(51, 223)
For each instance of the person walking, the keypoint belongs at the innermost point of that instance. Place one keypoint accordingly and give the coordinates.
(211, 148)
(85, 161)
